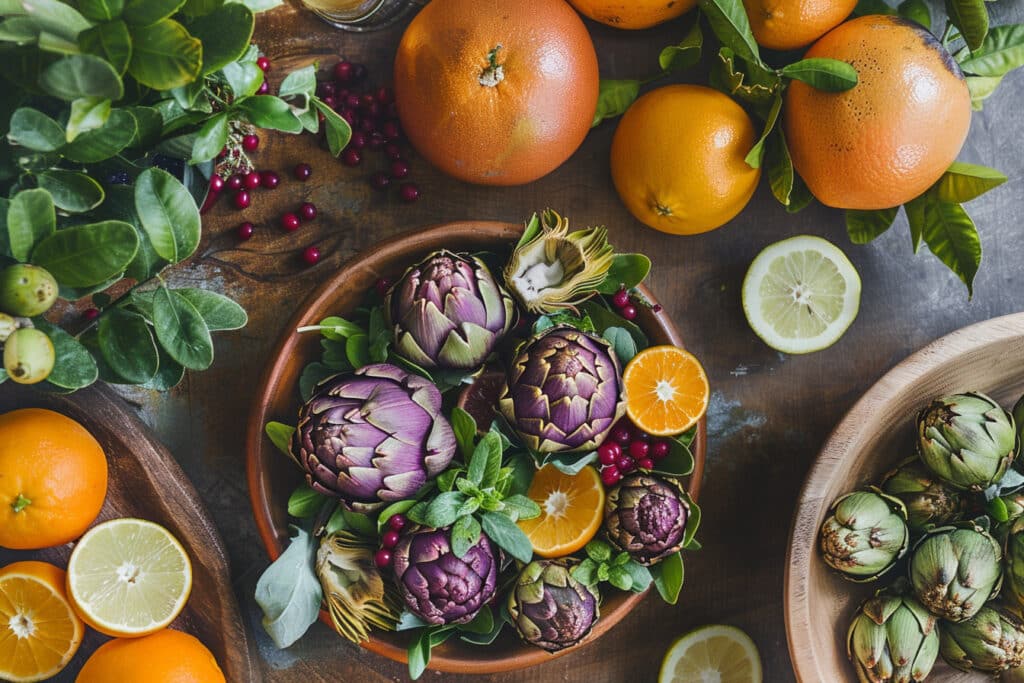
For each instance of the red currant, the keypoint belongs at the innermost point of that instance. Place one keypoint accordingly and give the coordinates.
(352, 101)
(628, 312)
(385, 96)
(307, 211)
(382, 558)
(303, 171)
(250, 143)
(389, 539)
(251, 180)
(91, 313)
(622, 432)
(343, 71)
(625, 463)
(397, 522)
(263, 63)
(608, 452)
(639, 449)
(393, 151)
(263, 89)
(216, 183)
(367, 125)
(391, 130)
(326, 89)
(399, 169)
(350, 116)
(245, 230)
(358, 140)
(610, 475)
(289, 222)
(660, 450)
(311, 255)
(409, 192)
(269, 179)
(351, 157)
(645, 464)
(380, 180)
(242, 199)
(235, 182)
(377, 140)
(657, 308)
(620, 299)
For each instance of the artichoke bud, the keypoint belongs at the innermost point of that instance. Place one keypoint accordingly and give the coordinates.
(893, 638)
(1014, 560)
(955, 570)
(967, 440)
(929, 501)
(550, 608)
(558, 269)
(356, 594)
(649, 517)
(865, 534)
(990, 641)
(1018, 417)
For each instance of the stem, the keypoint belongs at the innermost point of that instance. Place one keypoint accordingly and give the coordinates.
(950, 34)
(20, 503)
(118, 301)
(494, 73)
(655, 77)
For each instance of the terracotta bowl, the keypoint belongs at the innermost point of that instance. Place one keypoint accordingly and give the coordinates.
(272, 476)
(875, 435)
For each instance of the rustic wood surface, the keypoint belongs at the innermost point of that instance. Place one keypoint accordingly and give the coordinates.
(145, 481)
(769, 415)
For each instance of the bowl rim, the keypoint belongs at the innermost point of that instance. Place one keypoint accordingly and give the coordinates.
(807, 666)
(524, 656)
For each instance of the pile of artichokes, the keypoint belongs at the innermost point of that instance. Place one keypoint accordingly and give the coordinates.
(962, 596)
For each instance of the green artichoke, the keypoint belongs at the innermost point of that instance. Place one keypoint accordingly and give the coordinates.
(968, 440)
(991, 641)
(550, 608)
(1018, 417)
(864, 534)
(929, 501)
(1014, 559)
(893, 638)
(955, 570)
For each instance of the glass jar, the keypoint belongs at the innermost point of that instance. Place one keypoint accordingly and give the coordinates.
(361, 15)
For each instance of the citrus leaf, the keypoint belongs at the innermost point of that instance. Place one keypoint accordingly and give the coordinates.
(780, 166)
(52, 16)
(75, 367)
(211, 139)
(963, 182)
(668, 577)
(971, 17)
(952, 236)
(31, 218)
(101, 10)
(225, 33)
(830, 75)
(34, 130)
(981, 88)
(72, 191)
(684, 54)
(168, 375)
(614, 98)
(181, 330)
(148, 12)
(916, 10)
(218, 311)
(77, 76)
(127, 345)
(915, 218)
(168, 213)
(1001, 52)
(267, 111)
(337, 129)
(102, 143)
(755, 156)
(864, 226)
(165, 55)
(111, 41)
(751, 83)
(728, 19)
(87, 113)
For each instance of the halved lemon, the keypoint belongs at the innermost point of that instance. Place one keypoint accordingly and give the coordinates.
(666, 390)
(129, 577)
(39, 632)
(571, 510)
(718, 653)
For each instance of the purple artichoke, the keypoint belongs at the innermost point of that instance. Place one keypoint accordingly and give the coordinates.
(439, 587)
(448, 312)
(563, 391)
(373, 437)
(647, 517)
(551, 609)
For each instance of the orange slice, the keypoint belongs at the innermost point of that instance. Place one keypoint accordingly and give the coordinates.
(666, 390)
(39, 632)
(571, 510)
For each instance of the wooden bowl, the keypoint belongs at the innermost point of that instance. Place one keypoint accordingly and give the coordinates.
(272, 476)
(874, 436)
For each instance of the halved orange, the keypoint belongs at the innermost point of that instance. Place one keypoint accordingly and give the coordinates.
(666, 390)
(571, 509)
(39, 632)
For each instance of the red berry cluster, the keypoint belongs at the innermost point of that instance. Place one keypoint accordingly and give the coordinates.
(627, 449)
(627, 306)
(374, 119)
(388, 540)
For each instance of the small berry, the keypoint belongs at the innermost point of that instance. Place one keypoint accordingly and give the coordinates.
(307, 211)
(382, 558)
(263, 63)
(373, 110)
(409, 192)
(608, 452)
(289, 222)
(326, 89)
(351, 157)
(380, 180)
(263, 89)
(639, 449)
(385, 96)
(358, 140)
(303, 171)
(393, 151)
(660, 450)
(645, 464)
(620, 299)
(622, 433)
(399, 169)
(91, 313)
(350, 116)
(235, 182)
(269, 179)
(343, 71)
(245, 230)
(382, 286)
(397, 522)
(251, 180)
(250, 143)
(367, 125)
(242, 199)
(358, 72)
(389, 539)
(625, 463)
(377, 140)
(352, 101)
(610, 475)
(391, 130)
(657, 308)
(628, 312)
(216, 183)
(329, 101)
(311, 255)
(366, 101)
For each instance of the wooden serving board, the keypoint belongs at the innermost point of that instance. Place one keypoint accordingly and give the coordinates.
(146, 482)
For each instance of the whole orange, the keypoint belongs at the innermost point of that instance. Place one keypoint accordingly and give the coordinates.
(789, 24)
(633, 14)
(53, 479)
(166, 656)
(493, 92)
(890, 137)
(678, 159)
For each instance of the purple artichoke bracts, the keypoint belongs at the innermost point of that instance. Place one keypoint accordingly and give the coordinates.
(550, 608)
(646, 516)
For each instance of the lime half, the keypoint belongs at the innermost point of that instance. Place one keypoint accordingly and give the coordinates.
(801, 294)
(712, 654)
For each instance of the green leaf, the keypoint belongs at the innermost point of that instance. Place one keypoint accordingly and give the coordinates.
(755, 156)
(211, 139)
(148, 12)
(299, 82)
(752, 84)
(225, 34)
(916, 219)
(963, 182)
(168, 213)
(1001, 52)
(75, 367)
(520, 507)
(148, 126)
(627, 270)
(692, 524)
(686, 53)
(102, 143)
(311, 376)
(280, 435)
(585, 572)
(486, 461)
(603, 318)
(52, 16)
(19, 31)
(200, 8)
(267, 111)
(110, 41)
(504, 532)
(87, 113)
(620, 578)
(419, 654)
(81, 76)
(916, 10)
(464, 427)
(289, 591)
(599, 551)
(668, 577)
(971, 17)
(622, 343)
(981, 88)
(614, 98)
(181, 330)
(679, 462)
(780, 166)
(244, 78)
(337, 129)
(165, 55)
(465, 534)
(951, 235)
(357, 349)
(335, 328)
(127, 345)
(640, 575)
(31, 218)
(35, 130)
(482, 623)
(258, 6)
(101, 10)
(218, 311)
(304, 502)
(864, 226)
(728, 20)
(830, 75)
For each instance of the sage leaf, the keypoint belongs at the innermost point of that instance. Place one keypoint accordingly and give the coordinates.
(101, 10)
(87, 113)
(952, 236)
(34, 130)
(622, 343)
(830, 75)
(127, 345)
(149, 12)
(614, 98)
(267, 111)
(728, 20)
(465, 534)
(963, 182)
(181, 330)
(1001, 52)
(916, 10)
(971, 17)
(211, 139)
(102, 143)
(686, 53)
(442, 511)
(289, 591)
(864, 226)
(77, 76)
(755, 156)
(164, 55)
(110, 41)
(280, 435)
(504, 532)
(668, 577)
(218, 311)
(168, 213)
(87, 255)
(225, 33)
(75, 367)
(31, 218)
(640, 575)
(627, 270)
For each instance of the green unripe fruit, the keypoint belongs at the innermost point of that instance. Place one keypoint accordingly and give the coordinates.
(28, 356)
(26, 290)
(7, 327)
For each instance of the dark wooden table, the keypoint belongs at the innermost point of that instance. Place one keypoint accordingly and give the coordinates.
(769, 412)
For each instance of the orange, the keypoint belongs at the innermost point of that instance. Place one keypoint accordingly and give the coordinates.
(633, 14)
(53, 479)
(678, 159)
(666, 390)
(166, 656)
(789, 24)
(571, 509)
(496, 93)
(39, 632)
(890, 137)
